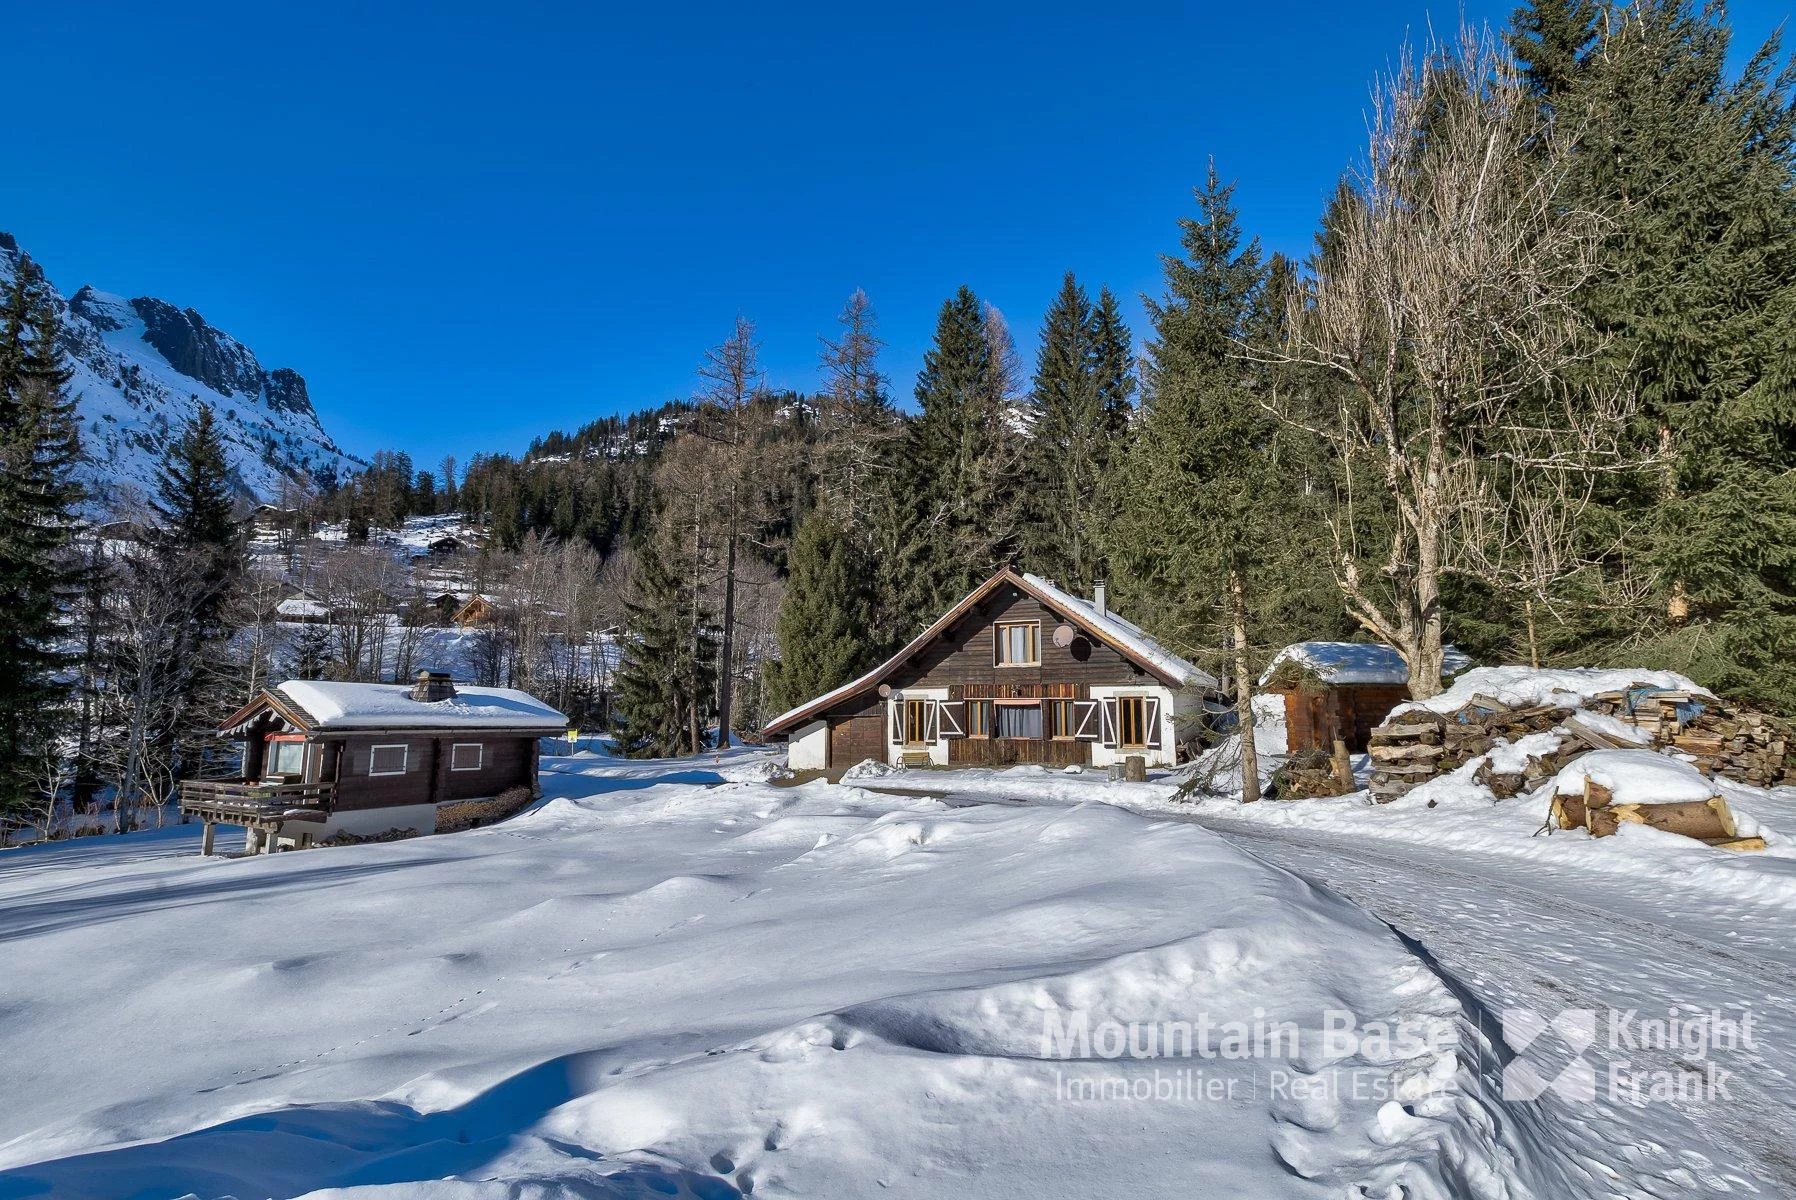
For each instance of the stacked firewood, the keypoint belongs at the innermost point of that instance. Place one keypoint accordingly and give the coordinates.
(1722, 739)
(1415, 745)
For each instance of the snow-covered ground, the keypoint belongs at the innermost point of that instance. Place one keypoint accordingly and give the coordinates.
(681, 979)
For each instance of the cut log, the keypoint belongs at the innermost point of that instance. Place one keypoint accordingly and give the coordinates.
(1700, 819)
(1745, 843)
(1400, 752)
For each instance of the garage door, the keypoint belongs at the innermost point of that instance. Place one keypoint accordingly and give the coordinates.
(856, 738)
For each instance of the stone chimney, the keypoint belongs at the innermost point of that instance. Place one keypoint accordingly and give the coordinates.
(432, 686)
(1098, 599)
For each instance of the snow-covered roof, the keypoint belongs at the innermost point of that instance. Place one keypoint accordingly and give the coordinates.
(1570, 686)
(1356, 662)
(302, 606)
(332, 705)
(1124, 636)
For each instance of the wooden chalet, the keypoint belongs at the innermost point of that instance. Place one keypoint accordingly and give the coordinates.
(363, 759)
(1340, 690)
(1019, 671)
(477, 611)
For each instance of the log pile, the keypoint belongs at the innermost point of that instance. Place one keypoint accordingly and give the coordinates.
(1724, 740)
(1416, 745)
(1309, 776)
(1708, 821)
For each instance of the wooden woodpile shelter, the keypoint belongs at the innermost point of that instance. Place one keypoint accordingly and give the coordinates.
(1415, 744)
(1339, 692)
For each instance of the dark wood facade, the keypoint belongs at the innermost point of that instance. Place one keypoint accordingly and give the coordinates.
(1318, 713)
(961, 659)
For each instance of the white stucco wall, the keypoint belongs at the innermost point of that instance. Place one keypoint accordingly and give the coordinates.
(1167, 754)
(938, 749)
(419, 818)
(807, 749)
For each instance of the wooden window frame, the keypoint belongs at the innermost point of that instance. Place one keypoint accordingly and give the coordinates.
(479, 756)
(979, 718)
(1034, 639)
(1001, 704)
(1123, 704)
(1061, 721)
(285, 739)
(917, 729)
(405, 760)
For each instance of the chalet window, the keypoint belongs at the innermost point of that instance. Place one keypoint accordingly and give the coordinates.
(467, 756)
(1062, 719)
(1019, 720)
(1131, 720)
(286, 757)
(916, 722)
(388, 760)
(979, 718)
(1018, 644)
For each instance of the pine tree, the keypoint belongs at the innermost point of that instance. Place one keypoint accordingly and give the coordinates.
(1080, 401)
(960, 467)
(1550, 39)
(826, 613)
(1206, 497)
(39, 449)
(197, 522)
(1694, 170)
(667, 679)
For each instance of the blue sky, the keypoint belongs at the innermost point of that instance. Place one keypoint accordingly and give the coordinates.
(467, 224)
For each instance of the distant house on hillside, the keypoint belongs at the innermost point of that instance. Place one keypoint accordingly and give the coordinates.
(1340, 689)
(322, 759)
(478, 611)
(1019, 671)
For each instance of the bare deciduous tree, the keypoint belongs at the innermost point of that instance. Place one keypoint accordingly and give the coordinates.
(1442, 312)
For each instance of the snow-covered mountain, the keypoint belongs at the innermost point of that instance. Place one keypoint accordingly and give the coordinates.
(142, 368)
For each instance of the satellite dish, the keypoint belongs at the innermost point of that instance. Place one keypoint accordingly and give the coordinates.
(885, 689)
(1064, 635)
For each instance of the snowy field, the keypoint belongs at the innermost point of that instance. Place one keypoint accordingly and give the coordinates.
(681, 979)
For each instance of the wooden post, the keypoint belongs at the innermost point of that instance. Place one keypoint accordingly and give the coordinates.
(206, 840)
(1343, 765)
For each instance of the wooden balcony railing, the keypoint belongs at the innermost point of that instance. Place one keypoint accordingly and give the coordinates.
(253, 798)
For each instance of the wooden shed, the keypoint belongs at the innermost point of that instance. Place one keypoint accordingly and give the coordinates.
(322, 758)
(1340, 689)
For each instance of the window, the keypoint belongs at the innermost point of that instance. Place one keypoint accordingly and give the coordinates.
(286, 756)
(1019, 644)
(1061, 721)
(1131, 720)
(466, 756)
(979, 718)
(388, 760)
(916, 718)
(1019, 720)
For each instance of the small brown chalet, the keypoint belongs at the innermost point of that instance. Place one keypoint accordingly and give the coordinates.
(1019, 671)
(362, 759)
(1340, 690)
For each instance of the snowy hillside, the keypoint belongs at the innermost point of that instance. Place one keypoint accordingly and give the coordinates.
(143, 366)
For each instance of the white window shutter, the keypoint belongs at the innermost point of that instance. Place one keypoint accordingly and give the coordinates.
(1152, 712)
(931, 721)
(1109, 723)
(1087, 720)
(897, 722)
(952, 715)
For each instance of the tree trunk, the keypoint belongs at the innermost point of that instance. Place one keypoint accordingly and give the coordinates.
(727, 643)
(1250, 757)
(1533, 636)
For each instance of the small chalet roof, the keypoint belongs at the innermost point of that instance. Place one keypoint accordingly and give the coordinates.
(323, 704)
(1125, 637)
(1346, 663)
(302, 606)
